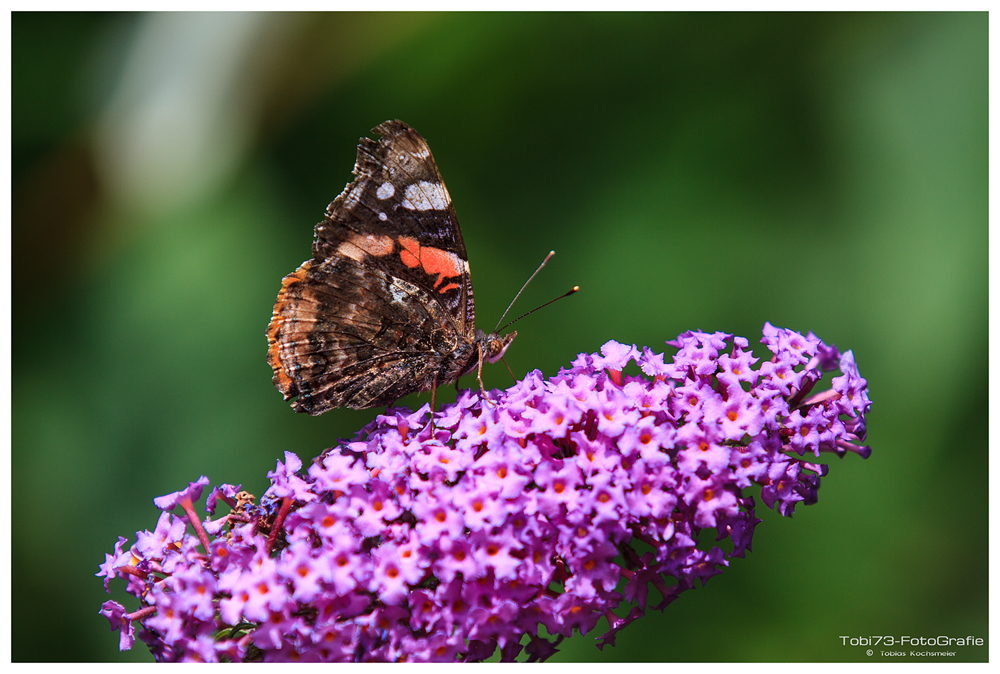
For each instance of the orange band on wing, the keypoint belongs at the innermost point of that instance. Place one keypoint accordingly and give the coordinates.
(434, 261)
(410, 255)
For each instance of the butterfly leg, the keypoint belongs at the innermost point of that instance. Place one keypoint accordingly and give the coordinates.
(434, 390)
(479, 376)
(509, 370)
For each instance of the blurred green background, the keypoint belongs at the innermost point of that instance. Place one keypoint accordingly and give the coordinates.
(825, 172)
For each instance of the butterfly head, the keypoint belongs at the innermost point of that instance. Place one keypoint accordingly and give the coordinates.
(494, 346)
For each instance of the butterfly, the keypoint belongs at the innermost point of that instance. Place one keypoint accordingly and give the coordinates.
(384, 308)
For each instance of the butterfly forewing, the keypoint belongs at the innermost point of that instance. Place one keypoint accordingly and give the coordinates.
(399, 199)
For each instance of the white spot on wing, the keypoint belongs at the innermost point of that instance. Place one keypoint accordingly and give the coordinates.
(382, 216)
(426, 196)
(384, 191)
(398, 294)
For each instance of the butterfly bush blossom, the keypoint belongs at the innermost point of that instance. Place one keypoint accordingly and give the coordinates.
(506, 523)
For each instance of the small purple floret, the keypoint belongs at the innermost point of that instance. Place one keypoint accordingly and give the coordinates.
(120, 621)
(548, 506)
(192, 493)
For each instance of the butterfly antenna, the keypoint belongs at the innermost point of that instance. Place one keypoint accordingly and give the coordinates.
(547, 258)
(567, 294)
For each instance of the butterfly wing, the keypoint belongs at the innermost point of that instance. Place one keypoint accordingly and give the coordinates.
(385, 306)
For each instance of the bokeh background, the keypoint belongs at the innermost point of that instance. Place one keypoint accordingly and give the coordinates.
(825, 172)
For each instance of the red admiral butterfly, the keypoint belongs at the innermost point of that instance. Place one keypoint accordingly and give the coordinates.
(384, 308)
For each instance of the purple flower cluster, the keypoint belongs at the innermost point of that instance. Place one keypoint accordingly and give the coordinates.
(546, 506)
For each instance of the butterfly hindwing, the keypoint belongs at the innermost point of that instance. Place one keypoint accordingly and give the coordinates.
(343, 335)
